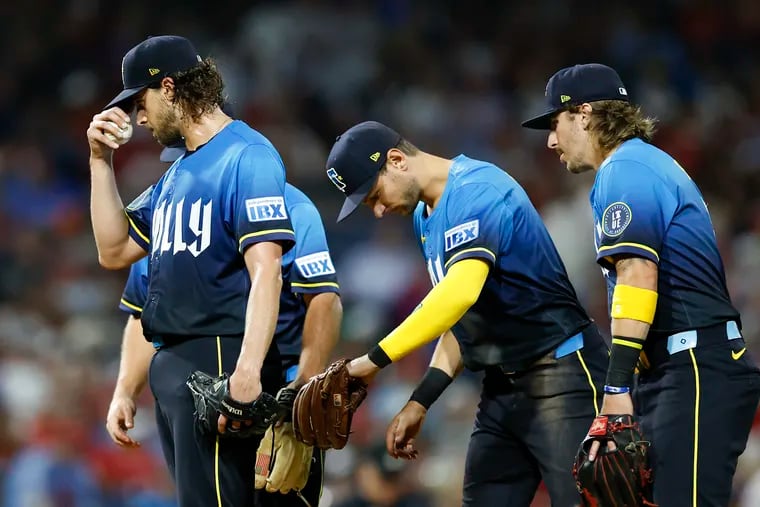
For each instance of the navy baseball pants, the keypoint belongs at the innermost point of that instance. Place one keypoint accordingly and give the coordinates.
(696, 405)
(213, 471)
(529, 427)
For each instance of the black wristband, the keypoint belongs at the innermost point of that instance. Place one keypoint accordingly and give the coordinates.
(623, 361)
(378, 356)
(431, 387)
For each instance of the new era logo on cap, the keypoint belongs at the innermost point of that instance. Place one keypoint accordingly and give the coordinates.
(575, 85)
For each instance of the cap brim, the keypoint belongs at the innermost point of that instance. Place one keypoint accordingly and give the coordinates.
(125, 96)
(354, 200)
(541, 122)
(172, 153)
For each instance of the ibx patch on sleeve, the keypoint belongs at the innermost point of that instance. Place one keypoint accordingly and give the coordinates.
(461, 234)
(266, 208)
(316, 264)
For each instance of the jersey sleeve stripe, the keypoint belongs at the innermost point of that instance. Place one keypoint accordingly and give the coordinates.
(263, 233)
(138, 231)
(131, 306)
(312, 285)
(605, 251)
(480, 250)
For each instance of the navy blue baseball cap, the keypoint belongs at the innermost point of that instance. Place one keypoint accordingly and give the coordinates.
(151, 61)
(575, 85)
(356, 158)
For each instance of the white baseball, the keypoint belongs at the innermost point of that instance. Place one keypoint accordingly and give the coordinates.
(126, 133)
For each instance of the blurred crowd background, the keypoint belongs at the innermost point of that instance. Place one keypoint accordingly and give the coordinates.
(453, 77)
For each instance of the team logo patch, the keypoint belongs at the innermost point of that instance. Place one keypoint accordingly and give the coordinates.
(337, 179)
(266, 208)
(316, 264)
(616, 218)
(461, 234)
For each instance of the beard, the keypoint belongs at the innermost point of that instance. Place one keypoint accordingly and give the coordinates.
(579, 168)
(166, 130)
(410, 198)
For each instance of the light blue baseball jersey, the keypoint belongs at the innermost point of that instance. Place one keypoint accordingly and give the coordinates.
(306, 269)
(527, 306)
(196, 222)
(646, 205)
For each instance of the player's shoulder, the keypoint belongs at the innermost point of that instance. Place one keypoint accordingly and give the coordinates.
(301, 208)
(294, 195)
(636, 163)
(242, 138)
(474, 181)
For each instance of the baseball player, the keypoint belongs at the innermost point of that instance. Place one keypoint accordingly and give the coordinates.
(501, 298)
(698, 390)
(309, 294)
(215, 227)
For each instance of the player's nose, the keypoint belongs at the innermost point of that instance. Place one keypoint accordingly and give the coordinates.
(378, 210)
(551, 141)
(141, 117)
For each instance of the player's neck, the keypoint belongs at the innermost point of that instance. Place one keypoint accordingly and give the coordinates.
(199, 132)
(601, 155)
(434, 175)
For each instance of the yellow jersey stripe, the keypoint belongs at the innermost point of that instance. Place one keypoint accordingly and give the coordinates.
(626, 343)
(262, 233)
(130, 305)
(476, 249)
(311, 285)
(635, 245)
(133, 226)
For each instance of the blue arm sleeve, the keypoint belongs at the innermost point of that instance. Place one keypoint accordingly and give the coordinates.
(632, 210)
(258, 199)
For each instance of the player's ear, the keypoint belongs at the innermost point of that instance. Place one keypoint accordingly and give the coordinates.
(585, 112)
(167, 88)
(396, 159)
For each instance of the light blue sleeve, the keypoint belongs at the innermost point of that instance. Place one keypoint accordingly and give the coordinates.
(312, 270)
(632, 210)
(258, 199)
(478, 223)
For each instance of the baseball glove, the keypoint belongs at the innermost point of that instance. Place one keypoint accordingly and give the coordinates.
(212, 397)
(325, 405)
(282, 462)
(619, 478)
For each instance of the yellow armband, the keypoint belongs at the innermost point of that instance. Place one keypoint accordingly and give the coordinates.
(444, 305)
(635, 303)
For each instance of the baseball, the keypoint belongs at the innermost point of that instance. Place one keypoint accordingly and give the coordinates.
(126, 133)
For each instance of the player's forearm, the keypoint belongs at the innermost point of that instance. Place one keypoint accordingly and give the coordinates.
(261, 317)
(109, 223)
(445, 365)
(634, 302)
(447, 356)
(136, 354)
(446, 303)
(320, 334)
